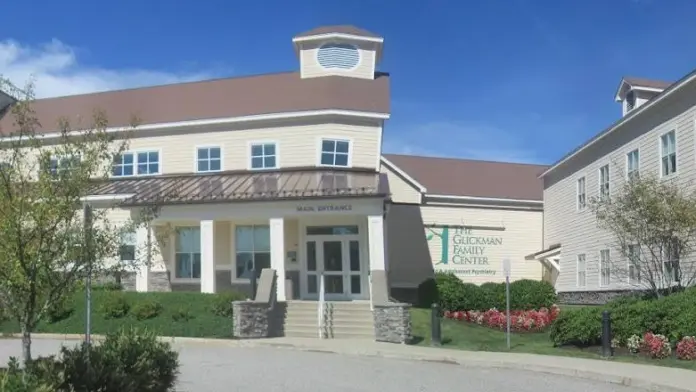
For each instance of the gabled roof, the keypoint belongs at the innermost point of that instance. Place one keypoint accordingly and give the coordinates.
(338, 29)
(473, 178)
(220, 98)
(629, 82)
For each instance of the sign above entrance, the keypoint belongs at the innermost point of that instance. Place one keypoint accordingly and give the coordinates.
(325, 208)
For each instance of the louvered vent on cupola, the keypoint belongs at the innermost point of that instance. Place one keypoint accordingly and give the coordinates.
(338, 56)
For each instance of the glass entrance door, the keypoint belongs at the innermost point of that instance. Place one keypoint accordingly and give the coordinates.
(338, 258)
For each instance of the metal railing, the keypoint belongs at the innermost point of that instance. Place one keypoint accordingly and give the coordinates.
(322, 305)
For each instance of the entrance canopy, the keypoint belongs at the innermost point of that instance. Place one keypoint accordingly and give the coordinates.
(549, 256)
(245, 186)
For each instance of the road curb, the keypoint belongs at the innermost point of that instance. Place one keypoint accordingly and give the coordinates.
(629, 381)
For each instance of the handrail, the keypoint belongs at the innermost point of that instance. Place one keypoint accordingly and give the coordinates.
(320, 311)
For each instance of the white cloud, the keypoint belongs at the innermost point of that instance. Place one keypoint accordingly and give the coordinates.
(56, 71)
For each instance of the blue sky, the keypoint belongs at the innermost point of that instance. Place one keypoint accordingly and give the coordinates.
(516, 80)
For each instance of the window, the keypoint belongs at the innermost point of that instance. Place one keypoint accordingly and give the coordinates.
(633, 263)
(123, 165)
(632, 165)
(671, 260)
(604, 267)
(334, 152)
(582, 200)
(582, 271)
(188, 253)
(604, 182)
(148, 162)
(208, 159)
(263, 156)
(58, 164)
(126, 250)
(630, 101)
(668, 150)
(253, 247)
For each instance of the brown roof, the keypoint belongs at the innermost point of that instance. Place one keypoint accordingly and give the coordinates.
(340, 29)
(465, 177)
(647, 82)
(247, 186)
(220, 98)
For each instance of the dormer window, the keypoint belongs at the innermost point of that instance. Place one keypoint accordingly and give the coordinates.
(630, 100)
(338, 56)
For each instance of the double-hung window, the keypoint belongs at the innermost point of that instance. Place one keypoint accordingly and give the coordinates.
(668, 153)
(604, 267)
(136, 163)
(263, 156)
(188, 253)
(632, 165)
(335, 152)
(148, 162)
(604, 189)
(126, 249)
(582, 198)
(123, 165)
(633, 264)
(208, 159)
(582, 270)
(253, 248)
(670, 258)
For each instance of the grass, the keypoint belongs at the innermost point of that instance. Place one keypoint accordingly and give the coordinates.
(200, 320)
(466, 336)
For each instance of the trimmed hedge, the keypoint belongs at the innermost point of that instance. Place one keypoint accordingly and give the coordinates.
(455, 295)
(672, 316)
(189, 314)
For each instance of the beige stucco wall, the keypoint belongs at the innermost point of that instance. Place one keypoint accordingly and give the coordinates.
(577, 230)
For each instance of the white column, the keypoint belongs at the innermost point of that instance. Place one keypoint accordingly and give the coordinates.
(207, 256)
(278, 255)
(142, 271)
(375, 238)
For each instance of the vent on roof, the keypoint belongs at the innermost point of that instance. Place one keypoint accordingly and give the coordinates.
(342, 56)
(630, 101)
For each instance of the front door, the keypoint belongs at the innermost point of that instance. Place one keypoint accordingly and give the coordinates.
(337, 257)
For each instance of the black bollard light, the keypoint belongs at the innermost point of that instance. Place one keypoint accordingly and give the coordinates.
(253, 283)
(435, 328)
(607, 351)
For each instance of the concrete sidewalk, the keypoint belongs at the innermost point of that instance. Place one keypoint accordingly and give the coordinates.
(655, 378)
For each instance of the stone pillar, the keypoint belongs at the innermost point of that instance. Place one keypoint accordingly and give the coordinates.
(278, 255)
(392, 323)
(143, 256)
(207, 256)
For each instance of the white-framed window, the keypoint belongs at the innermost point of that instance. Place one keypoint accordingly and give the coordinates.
(208, 159)
(604, 267)
(187, 252)
(263, 156)
(668, 153)
(582, 196)
(57, 164)
(633, 264)
(582, 270)
(633, 165)
(126, 250)
(671, 267)
(604, 187)
(253, 250)
(133, 163)
(335, 152)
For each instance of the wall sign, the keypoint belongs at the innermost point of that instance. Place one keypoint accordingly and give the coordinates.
(462, 251)
(325, 208)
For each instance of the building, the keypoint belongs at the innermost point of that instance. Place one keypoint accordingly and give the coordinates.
(654, 136)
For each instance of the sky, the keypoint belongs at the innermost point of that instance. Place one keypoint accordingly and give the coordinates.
(503, 80)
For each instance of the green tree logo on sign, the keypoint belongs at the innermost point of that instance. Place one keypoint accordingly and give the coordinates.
(443, 235)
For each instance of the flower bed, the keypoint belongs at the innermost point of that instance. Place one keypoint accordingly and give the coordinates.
(658, 346)
(520, 320)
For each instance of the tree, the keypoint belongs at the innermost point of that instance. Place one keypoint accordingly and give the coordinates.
(653, 225)
(46, 249)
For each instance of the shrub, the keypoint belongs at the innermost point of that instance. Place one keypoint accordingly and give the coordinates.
(146, 310)
(182, 314)
(656, 345)
(14, 379)
(686, 348)
(634, 343)
(582, 327)
(222, 304)
(520, 321)
(60, 310)
(115, 306)
(531, 294)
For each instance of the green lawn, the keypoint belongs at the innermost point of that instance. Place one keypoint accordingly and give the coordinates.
(466, 336)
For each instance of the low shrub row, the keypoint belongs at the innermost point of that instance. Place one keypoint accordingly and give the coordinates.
(672, 317)
(454, 295)
(127, 361)
(520, 320)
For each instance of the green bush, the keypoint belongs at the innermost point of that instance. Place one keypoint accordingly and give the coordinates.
(531, 294)
(115, 306)
(182, 314)
(582, 327)
(60, 310)
(146, 309)
(222, 303)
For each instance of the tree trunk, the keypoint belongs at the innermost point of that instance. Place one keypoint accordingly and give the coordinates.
(26, 344)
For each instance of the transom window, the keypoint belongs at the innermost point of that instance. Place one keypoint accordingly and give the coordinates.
(604, 182)
(632, 165)
(668, 148)
(633, 263)
(188, 253)
(253, 248)
(604, 267)
(582, 197)
(208, 159)
(263, 156)
(335, 152)
(136, 163)
(582, 270)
